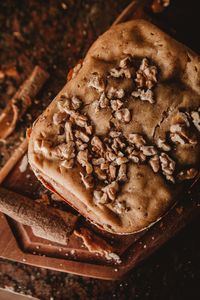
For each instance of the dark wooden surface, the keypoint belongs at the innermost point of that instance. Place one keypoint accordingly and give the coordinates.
(173, 272)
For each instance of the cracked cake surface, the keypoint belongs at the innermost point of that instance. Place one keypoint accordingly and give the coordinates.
(121, 140)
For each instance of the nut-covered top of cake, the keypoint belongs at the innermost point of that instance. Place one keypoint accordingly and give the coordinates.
(122, 137)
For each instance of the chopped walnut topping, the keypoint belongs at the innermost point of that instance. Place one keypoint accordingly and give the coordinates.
(161, 143)
(136, 139)
(167, 166)
(144, 95)
(97, 145)
(100, 173)
(82, 136)
(148, 150)
(114, 134)
(119, 72)
(103, 101)
(122, 173)
(125, 62)
(68, 164)
(80, 120)
(112, 172)
(98, 161)
(187, 174)
(123, 115)
(68, 131)
(104, 166)
(96, 82)
(59, 117)
(135, 156)
(110, 156)
(111, 190)
(87, 180)
(82, 158)
(121, 160)
(100, 197)
(146, 76)
(114, 93)
(155, 163)
(181, 135)
(196, 119)
(116, 104)
(65, 151)
(76, 103)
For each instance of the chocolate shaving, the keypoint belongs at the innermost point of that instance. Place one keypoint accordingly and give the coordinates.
(46, 222)
(22, 99)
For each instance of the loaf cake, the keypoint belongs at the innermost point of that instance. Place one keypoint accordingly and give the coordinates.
(120, 142)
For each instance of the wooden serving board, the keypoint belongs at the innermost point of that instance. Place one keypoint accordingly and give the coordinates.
(18, 242)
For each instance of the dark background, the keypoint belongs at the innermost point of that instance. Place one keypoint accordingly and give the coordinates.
(56, 34)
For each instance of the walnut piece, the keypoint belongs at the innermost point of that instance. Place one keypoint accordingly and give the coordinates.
(123, 115)
(116, 104)
(82, 158)
(96, 82)
(101, 175)
(82, 136)
(122, 176)
(181, 135)
(146, 76)
(167, 166)
(148, 150)
(68, 131)
(144, 95)
(59, 118)
(97, 145)
(114, 93)
(100, 197)
(136, 139)
(87, 180)
(111, 190)
(155, 163)
(196, 119)
(187, 174)
(161, 143)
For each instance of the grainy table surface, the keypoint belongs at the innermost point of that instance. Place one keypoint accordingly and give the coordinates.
(55, 34)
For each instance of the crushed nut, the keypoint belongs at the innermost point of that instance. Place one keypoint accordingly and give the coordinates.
(148, 150)
(116, 104)
(100, 197)
(161, 143)
(80, 120)
(101, 175)
(112, 172)
(155, 163)
(136, 139)
(98, 161)
(114, 93)
(181, 135)
(82, 136)
(196, 119)
(87, 180)
(68, 131)
(96, 82)
(121, 160)
(144, 95)
(187, 174)
(82, 158)
(103, 101)
(146, 76)
(76, 103)
(122, 173)
(115, 134)
(111, 190)
(97, 145)
(167, 166)
(123, 115)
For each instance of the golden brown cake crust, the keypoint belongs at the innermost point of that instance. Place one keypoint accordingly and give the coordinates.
(167, 119)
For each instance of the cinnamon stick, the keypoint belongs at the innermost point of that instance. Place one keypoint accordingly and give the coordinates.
(22, 99)
(46, 222)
